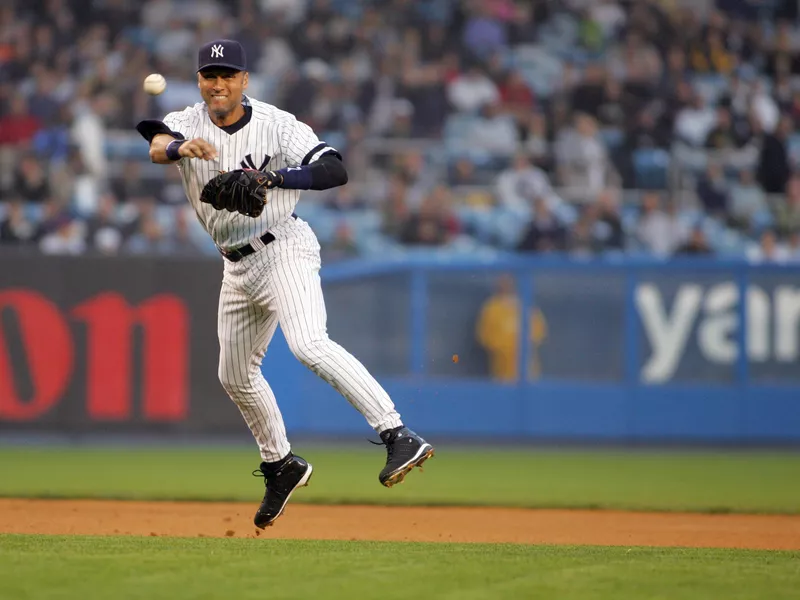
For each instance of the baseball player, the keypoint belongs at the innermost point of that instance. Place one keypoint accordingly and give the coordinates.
(243, 164)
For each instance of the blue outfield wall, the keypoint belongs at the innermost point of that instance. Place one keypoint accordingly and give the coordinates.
(635, 350)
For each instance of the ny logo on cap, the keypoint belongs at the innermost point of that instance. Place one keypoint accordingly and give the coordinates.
(216, 51)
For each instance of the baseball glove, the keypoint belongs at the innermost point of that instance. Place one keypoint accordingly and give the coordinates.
(243, 191)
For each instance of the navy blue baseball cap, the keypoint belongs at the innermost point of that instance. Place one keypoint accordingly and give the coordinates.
(222, 53)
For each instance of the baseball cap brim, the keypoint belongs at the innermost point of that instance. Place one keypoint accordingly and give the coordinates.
(221, 65)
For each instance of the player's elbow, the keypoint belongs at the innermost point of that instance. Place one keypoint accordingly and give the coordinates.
(340, 178)
(327, 173)
(337, 174)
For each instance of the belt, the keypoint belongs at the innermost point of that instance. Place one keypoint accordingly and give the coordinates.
(246, 250)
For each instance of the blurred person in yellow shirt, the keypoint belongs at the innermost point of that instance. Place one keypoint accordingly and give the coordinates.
(498, 328)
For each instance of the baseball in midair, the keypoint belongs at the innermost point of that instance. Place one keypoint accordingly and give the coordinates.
(154, 84)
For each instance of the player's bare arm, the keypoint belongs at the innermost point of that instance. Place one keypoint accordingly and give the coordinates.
(167, 146)
(161, 152)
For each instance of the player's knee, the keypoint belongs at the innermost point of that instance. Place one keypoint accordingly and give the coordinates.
(234, 382)
(309, 351)
(228, 383)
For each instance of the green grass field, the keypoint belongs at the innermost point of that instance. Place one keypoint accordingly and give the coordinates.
(55, 567)
(34, 567)
(663, 481)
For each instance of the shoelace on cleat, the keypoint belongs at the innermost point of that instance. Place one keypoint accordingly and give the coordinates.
(267, 479)
(389, 448)
(260, 473)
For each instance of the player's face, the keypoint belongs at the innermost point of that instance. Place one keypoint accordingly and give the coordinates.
(222, 89)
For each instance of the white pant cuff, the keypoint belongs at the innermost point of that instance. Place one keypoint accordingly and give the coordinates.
(389, 423)
(272, 456)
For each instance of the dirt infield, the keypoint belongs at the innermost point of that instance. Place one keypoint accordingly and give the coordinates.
(99, 517)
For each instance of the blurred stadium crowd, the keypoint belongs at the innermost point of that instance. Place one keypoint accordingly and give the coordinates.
(660, 127)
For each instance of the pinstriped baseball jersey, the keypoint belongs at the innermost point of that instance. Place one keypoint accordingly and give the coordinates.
(277, 284)
(272, 139)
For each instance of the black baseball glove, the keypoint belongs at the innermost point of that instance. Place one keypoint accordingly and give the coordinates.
(243, 191)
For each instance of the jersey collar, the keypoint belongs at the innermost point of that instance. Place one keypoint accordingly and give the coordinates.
(248, 114)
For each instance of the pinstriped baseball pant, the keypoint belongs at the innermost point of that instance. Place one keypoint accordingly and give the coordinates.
(280, 284)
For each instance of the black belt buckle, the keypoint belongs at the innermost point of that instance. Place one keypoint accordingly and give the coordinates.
(231, 255)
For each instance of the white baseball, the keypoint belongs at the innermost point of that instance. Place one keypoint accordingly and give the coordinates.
(154, 84)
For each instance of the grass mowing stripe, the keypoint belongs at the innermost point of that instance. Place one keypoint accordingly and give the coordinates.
(55, 567)
(668, 481)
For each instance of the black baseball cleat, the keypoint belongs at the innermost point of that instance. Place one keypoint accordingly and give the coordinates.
(404, 451)
(280, 479)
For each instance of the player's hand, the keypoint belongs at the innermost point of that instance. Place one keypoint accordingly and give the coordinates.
(198, 148)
